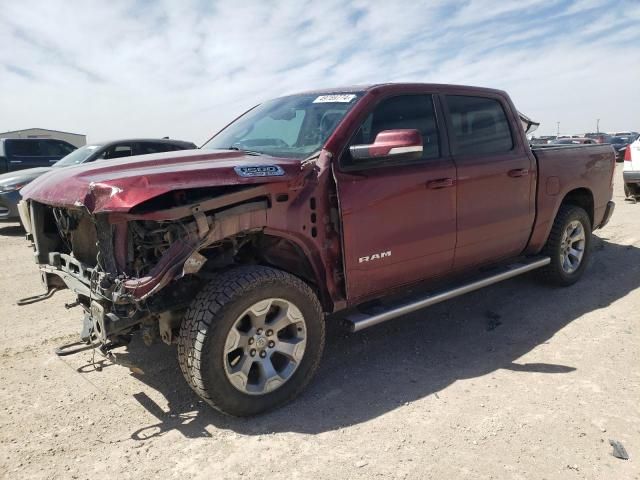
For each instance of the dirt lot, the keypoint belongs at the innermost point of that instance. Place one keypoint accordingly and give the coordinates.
(515, 381)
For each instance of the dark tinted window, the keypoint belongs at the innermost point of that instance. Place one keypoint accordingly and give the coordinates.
(67, 148)
(23, 148)
(478, 126)
(118, 151)
(55, 148)
(149, 147)
(402, 112)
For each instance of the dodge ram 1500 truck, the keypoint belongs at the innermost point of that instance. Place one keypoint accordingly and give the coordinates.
(304, 206)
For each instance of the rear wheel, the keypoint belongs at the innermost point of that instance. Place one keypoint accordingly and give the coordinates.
(568, 246)
(251, 340)
(631, 190)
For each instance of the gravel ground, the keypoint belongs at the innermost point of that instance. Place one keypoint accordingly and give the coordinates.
(515, 381)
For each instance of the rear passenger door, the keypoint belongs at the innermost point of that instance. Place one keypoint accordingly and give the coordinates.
(496, 180)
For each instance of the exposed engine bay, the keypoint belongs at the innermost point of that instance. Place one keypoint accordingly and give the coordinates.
(119, 270)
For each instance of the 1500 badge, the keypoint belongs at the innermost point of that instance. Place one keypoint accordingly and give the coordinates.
(259, 171)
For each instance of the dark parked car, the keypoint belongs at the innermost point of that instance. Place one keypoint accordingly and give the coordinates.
(620, 146)
(598, 137)
(12, 182)
(543, 139)
(18, 154)
(574, 141)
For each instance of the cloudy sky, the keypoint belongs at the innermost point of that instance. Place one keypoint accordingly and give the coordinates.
(120, 68)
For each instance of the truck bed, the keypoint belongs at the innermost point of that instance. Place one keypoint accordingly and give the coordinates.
(566, 168)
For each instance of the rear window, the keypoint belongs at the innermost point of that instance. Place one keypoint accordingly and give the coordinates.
(23, 148)
(479, 126)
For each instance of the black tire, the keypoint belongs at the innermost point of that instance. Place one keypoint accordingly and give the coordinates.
(631, 191)
(554, 273)
(212, 314)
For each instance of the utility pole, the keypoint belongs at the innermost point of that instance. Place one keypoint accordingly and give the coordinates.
(558, 132)
(598, 125)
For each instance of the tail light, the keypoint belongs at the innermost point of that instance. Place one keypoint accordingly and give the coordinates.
(627, 154)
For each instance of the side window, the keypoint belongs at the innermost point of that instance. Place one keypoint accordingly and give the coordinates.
(118, 151)
(401, 112)
(479, 126)
(145, 148)
(67, 148)
(23, 148)
(55, 148)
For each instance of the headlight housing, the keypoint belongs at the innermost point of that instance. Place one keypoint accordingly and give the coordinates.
(11, 187)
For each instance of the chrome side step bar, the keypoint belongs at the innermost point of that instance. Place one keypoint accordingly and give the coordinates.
(359, 321)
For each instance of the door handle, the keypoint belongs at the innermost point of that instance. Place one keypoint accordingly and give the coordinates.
(440, 183)
(518, 172)
(16, 161)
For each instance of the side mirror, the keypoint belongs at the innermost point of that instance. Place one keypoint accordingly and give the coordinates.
(406, 144)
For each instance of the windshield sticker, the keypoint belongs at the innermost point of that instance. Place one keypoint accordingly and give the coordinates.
(259, 171)
(342, 98)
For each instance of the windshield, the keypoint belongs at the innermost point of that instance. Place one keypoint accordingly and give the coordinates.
(292, 127)
(77, 156)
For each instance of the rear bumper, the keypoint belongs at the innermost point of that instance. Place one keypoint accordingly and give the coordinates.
(631, 176)
(608, 211)
(9, 206)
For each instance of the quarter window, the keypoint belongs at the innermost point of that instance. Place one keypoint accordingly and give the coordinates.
(479, 126)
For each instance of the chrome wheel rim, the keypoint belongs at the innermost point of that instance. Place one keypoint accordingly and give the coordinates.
(572, 246)
(265, 346)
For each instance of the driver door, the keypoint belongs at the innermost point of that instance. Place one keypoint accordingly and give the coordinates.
(398, 216)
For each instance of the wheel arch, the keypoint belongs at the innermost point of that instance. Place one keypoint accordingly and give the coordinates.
(283, 252)
(579, 197)
(548, 207)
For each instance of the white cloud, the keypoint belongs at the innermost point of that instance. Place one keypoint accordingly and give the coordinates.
(119, 69)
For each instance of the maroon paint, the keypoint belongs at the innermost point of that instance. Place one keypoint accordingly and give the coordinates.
(117, 186)
(389, 139)
(496, 199)
(435, 217)
(567, 169)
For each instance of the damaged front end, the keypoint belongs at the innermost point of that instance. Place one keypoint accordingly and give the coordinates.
(119, 265)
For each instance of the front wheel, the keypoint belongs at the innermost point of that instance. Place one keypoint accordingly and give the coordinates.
(568, 246)
(251, 340)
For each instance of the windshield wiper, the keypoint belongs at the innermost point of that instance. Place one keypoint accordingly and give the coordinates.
(248, 152)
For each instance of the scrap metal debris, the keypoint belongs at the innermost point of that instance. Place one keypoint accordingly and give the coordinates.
(618, 450)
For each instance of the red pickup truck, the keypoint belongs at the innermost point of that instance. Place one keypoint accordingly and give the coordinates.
(305, 206)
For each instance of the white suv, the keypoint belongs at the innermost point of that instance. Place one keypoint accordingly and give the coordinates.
(631, 171)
